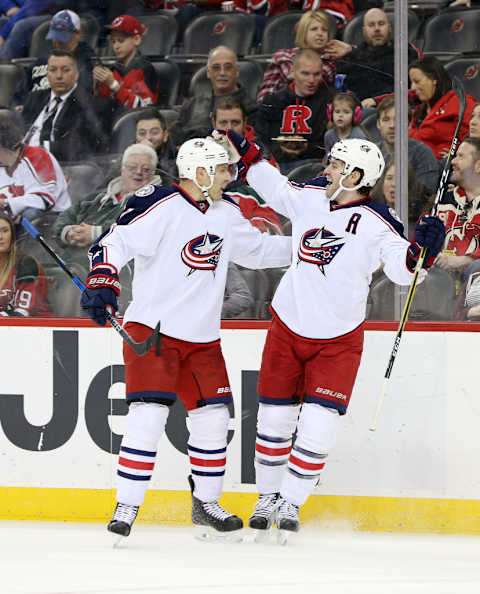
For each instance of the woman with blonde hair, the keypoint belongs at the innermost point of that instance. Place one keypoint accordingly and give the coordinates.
(314, 32)
(23, 286)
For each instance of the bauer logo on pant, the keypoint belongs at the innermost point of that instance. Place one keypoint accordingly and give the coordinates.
(319, 246)
(202, 253)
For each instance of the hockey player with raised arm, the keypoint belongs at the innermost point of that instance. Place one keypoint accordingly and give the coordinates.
(181, 238)
(340, 236)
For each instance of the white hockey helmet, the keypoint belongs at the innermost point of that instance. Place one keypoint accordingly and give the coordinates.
(360, 154)
(200, 152)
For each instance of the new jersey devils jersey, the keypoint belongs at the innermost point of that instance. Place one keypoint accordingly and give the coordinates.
(35, 180)
(335, 250)
(181, 255)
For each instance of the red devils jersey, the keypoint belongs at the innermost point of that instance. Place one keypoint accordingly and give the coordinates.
(266, 7)
(138, 83)
(25, 291)
(462, 223)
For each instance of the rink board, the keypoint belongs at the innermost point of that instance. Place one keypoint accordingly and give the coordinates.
(62, 414)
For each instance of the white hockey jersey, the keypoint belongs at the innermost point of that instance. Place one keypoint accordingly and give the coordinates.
(36, 180)
(181, 256)
(335, 250)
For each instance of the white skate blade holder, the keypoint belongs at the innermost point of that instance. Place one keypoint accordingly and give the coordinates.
(272, 536)
(209, 534)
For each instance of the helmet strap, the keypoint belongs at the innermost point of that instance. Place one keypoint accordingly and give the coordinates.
(342, 187)
(204, 189)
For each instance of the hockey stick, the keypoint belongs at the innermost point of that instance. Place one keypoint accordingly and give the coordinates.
(442, 184)
(139, 347)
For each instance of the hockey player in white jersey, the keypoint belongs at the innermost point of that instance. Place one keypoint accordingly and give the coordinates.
(182, 238)
(340, 236)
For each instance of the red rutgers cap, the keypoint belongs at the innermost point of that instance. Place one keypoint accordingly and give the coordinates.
(128, 24)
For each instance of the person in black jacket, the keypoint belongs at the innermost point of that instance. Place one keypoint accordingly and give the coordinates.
(293, 121)
(370, 66)
(64, 31)
(62, 119)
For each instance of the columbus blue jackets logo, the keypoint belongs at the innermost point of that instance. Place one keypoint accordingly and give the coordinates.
(202, 253)
(319, 246)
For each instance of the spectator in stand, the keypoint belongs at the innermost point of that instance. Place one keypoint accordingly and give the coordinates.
(80, 225)
(261, 10)
(313, 32)
(420, 155)
(238, 296)
(31, 180)
(23, 285)
(16, 34)
(460, 213)
(62, 119)
(152, 131)
(230, 114)
(369, 67)
(474, 124)
(420, 200)
(344, 114)
(131, 82)
(196, 112)
(434, 120)
(293, 121)
(65, 31)
(342, 10)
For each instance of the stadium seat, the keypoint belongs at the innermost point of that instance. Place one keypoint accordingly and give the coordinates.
(452, 32)
(251, 76)
(158, 40)
(235, 30)
(124, 129)
(369, 123)
(353, 31)
(83, 178)
(467, 68)
(168, 74)
(10, 75)
(310, 169)
(63, 294)
(40, 46)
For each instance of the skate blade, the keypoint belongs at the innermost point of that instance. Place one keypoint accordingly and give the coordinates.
(285, 536)
(261, 536)
(208, 534)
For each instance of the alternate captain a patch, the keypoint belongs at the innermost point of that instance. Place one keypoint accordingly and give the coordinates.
(319, 246)
(202, 252)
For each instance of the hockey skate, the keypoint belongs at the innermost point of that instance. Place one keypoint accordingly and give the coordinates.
(122, 520)
(263, 515)
(286, 520)
(212, 521)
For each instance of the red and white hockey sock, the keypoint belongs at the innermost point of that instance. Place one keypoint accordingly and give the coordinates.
(207, 448)
(145, 424)
(316, 433)
(275, 427)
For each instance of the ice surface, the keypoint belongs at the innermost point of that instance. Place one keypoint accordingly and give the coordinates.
(70, 558)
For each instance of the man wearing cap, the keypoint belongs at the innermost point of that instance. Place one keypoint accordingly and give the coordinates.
(64, 32)
(131, 81)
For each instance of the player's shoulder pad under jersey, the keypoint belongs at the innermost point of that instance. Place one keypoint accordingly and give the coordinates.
(142, 200)
(387, 213)
(317, 182)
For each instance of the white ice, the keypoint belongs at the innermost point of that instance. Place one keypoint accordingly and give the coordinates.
(69, 558)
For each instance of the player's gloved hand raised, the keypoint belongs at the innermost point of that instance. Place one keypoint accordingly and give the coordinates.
(239, 149)
(100, 294)
(430, 234)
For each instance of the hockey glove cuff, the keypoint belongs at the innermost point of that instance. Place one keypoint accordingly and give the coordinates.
(100, 294)
(430, 234)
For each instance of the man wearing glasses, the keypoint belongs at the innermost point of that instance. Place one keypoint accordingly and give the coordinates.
(81, 224)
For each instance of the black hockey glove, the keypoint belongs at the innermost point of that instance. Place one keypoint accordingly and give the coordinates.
(100, 294)
(429, 233)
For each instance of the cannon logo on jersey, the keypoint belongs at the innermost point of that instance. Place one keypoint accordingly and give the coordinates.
(202, 253)
(319, 246)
